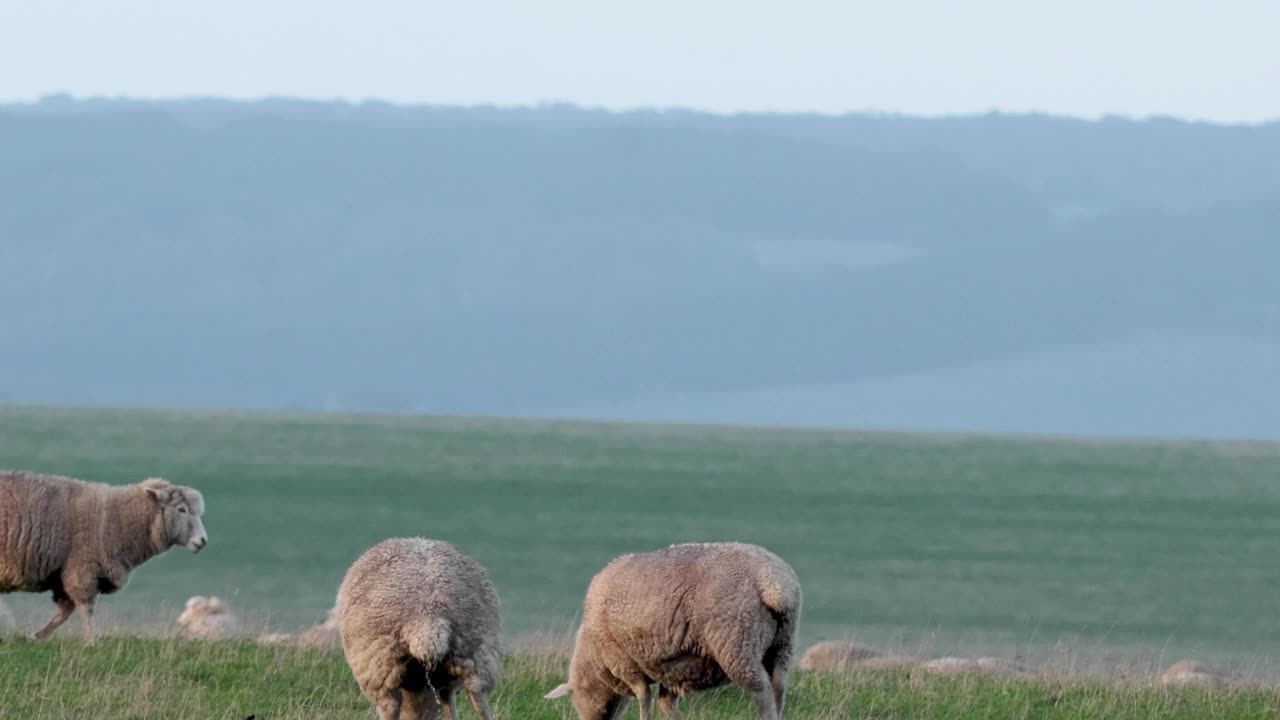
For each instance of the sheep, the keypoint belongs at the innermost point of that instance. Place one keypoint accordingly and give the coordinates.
(1192, 672)
(207, 618)
(78, 539)
(838, 656)
(687, 617)
(419, 620)
(983, 665)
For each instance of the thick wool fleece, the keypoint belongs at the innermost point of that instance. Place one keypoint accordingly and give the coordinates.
(79, 539)
(688, 617)
(417, 616)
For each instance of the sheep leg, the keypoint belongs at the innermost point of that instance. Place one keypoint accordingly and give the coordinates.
(449, 703)
(642, 694)
(480, 701)
(421, 705)
(669, 703)
(65, 608)
(757, 683)
(86, 617)
(779, 680)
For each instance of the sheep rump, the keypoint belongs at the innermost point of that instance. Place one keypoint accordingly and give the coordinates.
(688, 617)
(419, 621)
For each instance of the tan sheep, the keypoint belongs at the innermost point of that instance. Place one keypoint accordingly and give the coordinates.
(207, 618)
(838, 656)
(1192, 672)
(78, 539)
(688, 617)
(984, 665)
(420, 620)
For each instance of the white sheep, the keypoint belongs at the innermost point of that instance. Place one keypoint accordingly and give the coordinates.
(78, 539)
(420, 620)
(688, 617)
(1192, 672)
(838, 656)
(207, 618)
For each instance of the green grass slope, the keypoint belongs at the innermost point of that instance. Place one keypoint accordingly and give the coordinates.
(998, 543)
(137, 679)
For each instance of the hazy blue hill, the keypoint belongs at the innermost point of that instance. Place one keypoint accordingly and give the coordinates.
(484, 260)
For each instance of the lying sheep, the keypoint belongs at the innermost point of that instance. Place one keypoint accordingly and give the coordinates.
(207, 618)
(418, 621)
(79, 539)
(984, 665)
(688, 617)
(1192, 672)
(837, 656)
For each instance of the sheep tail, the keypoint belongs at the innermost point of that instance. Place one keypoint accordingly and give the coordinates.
(428, 640)
(779, 589)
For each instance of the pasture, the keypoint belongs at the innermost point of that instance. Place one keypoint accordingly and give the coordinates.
(1060, 549)
(150, 679)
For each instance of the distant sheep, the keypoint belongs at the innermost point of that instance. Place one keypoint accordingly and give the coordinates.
(78, 539)
(420, 620)
(1192, 672)
(838, 656)
(688, 617)
(207, 618)
(983, 665)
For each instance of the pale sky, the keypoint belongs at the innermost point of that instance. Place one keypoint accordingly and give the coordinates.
(1202, 60)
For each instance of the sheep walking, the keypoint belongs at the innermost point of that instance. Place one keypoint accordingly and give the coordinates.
(79, 540)
(420, 620)
(688, 617)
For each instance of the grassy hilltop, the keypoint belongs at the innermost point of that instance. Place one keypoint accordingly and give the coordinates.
(945, 543)
(137, 679)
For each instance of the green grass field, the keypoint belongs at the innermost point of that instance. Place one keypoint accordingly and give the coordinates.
(938, 543)
(139, 679)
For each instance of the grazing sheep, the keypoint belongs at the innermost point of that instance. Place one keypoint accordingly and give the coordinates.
(837, 656)
(79, 539)
(418, 621)
(1192, 672)
(688, 617)
(207, 618)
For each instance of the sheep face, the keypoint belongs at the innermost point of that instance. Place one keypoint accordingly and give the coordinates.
(593, 701)
(182, 508)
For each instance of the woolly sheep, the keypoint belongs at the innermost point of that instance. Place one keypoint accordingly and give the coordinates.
(837, 656)
(987, 665)
(688, 617)
(207, 618)
(419, 620)
(78, 539)
(1191, 672)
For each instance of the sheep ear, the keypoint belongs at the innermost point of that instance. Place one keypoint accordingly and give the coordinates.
(559, 692)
